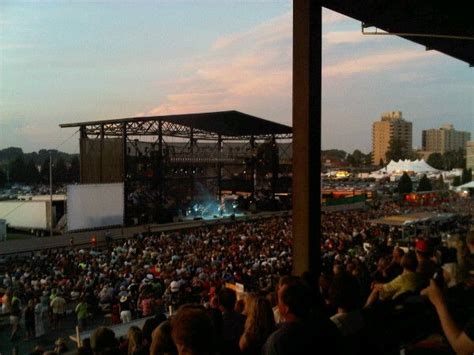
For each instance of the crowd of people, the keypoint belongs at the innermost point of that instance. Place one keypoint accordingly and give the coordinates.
(366, 275)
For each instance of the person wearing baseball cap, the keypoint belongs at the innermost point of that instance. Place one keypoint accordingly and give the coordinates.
(426, 267)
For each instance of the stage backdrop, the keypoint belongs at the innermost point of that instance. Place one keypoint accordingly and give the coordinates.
(94, 206)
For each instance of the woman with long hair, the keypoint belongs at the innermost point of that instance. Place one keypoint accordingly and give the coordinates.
(260, 323)
(135, 341)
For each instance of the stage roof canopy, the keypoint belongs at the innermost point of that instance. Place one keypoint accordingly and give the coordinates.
(412, 218)
(444, 26)
(224, 123)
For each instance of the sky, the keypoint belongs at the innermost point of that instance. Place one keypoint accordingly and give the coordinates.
(74, 61)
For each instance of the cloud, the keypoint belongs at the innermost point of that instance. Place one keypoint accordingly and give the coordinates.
(377, 62)
(242, 70)
(252, 70)
(265, 33)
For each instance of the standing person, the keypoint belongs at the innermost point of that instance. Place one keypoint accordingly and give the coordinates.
(39, 322)
(7, 302)
(30, 320)
(58, 306)
(15, 314)
(94, 241)
(125, 312)
(44, 301)
(115, 311)
(81, 313)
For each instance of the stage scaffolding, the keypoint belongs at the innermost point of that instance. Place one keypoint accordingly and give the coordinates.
(167, 161)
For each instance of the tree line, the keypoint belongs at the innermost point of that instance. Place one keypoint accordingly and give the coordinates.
(398, 151)
(33, 168)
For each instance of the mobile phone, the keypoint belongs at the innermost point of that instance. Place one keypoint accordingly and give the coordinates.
(438, 278)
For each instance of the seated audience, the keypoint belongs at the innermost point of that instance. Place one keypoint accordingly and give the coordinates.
(408, 281)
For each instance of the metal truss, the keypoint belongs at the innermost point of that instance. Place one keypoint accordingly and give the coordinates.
(151, 128)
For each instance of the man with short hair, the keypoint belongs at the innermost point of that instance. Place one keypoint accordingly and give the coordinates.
(192, 331)
(232, 322)
(299, 333)
(395, 267)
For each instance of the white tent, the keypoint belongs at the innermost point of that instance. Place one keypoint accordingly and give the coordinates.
(418, 166)
(467, 186)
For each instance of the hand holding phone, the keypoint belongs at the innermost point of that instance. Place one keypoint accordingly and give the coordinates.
(439, 278)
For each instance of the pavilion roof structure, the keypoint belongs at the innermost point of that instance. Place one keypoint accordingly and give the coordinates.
(443, 26)
(228, 125)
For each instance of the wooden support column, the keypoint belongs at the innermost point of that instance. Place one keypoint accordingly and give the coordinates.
(102, 135)
(161, 163)
(82, 137)
(219, 167)
(191, 166)
(254, 168)
(275, 163)
(125, 171)
(306, 136)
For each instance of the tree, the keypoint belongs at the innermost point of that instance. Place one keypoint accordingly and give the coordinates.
(3, 178)
(59, 171)
(436, 160)
(368, 159)
(357, 158)
(424, 184)
(440, 183)
(44, 172)
(18, 170)
(396, 150)
(74, 170)
(32, 175)
(454, 159)
(333, 154)
(457, 181)
(466, 176)
(405, 186)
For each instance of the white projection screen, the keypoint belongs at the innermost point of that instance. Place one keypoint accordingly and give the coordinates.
(94, 205)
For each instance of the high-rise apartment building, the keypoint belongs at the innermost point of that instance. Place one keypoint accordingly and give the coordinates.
(392, 126)
(470, 155)
(444, 139)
